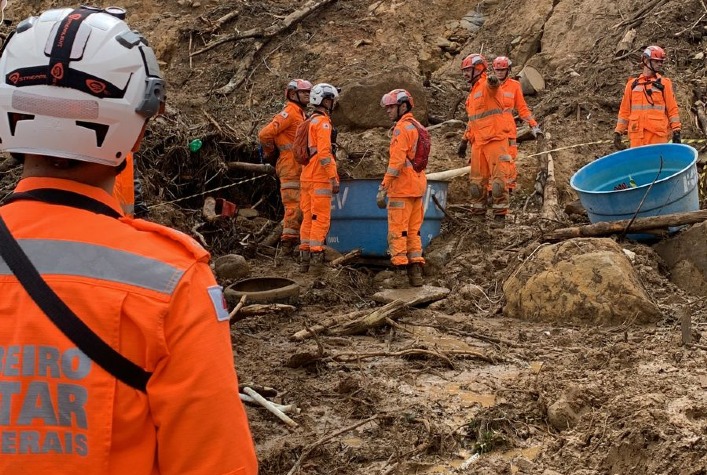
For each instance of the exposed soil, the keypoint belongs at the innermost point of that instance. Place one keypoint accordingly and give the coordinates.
(479, 392)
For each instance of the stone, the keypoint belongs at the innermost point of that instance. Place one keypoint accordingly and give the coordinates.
(359, 103)
(561, 416)
(579, 281)
(231, 267)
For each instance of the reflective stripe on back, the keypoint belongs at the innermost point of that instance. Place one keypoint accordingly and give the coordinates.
(98, 262)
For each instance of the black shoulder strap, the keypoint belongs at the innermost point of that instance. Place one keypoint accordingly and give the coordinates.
(65, 198)
(64, 318)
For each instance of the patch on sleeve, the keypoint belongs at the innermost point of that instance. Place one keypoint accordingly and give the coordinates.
(325, 126)
(284, 114)
(219, 301)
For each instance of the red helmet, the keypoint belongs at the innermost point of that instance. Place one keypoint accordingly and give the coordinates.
(502, 62)
(654, 53)
(397, 96)
(298, 85)
(475, 61)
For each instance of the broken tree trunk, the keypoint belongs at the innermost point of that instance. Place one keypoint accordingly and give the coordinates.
(701, 116)
(328, 323)
(550, 202)
(346, 258)
(374, 319)
(252, 167)
(264, 309)
(449, 174)
(626, 44)
(640, 224)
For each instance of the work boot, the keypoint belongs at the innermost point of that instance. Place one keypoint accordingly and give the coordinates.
(317, 264)
(286, 248)
(415, 274)
(304, 260)
(499, 221)
(400, 279)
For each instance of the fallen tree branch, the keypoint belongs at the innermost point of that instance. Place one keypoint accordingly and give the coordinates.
(234, 313)
(264, 309)
(614, 227)
(372, 320)
(270, 407)
(330, 322)
(251, 167)
(550, 200)
(637, 18)
(242, 72)
(351, 356)
(307, 450)
(273, 30)
(346, 258)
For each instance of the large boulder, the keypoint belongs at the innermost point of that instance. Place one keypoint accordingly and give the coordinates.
(579, 281)
(686, 257)
(359, 103)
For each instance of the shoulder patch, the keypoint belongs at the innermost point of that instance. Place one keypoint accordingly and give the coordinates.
(189, 243)
(284, 114)
(325, 126)
(219, 301)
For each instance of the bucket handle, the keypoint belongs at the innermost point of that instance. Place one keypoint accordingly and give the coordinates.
(645, 195)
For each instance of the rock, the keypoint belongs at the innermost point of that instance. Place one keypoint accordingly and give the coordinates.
(561, 416)
(473, 21)
(686, 257)
(359, 103)
(231, 267)
(471, 291)
(579, 281)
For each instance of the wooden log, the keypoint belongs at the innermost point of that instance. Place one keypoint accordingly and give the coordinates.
(374, 319)
(252, 167)
(233, 316)
(346, 258)
(264, 309)
(626, 44)
(613, 227)
(328, 323)
(449, 174)
(550, 200)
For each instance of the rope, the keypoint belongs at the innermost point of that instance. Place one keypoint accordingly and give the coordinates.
(209, 191)
(685, 141)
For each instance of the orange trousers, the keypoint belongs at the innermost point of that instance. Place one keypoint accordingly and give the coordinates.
(291, 222)
(490, 165)
(315, 202)
(405, 217)
(645, 137)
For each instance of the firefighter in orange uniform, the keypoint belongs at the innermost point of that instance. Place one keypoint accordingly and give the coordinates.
(488, 131)
(649, 111)
(512, 93)
(319, 179)
(404, 188)
(276, 139)
(144, 290)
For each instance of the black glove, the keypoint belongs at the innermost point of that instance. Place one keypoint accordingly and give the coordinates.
(676, 137)
(380, 197)
(461, 150)
(618, 144)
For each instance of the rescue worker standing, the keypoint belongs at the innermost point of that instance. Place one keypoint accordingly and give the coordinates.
(404, 188)
(144, 291)
(276, 139)
(488, 131)
(649, 111)
(319, 179)
(513, 99)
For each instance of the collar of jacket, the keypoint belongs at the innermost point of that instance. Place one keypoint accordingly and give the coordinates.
(98, 194)
(406, 116)
(297, 104)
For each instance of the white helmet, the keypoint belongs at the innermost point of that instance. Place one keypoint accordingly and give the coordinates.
(322, 91)
(77, 84)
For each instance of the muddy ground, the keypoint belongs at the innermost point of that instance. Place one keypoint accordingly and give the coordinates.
(454, 387)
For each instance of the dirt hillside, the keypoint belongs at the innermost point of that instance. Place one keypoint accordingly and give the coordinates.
(454, 387)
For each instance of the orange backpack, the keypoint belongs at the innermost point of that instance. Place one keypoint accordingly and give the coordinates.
(300, 146)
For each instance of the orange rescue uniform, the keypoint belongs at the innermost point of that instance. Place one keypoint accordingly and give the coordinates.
(488, 131)
(649, 114)
(405, 188)
(512, 93)
(147, 291)
(280, 133)
(318, 179)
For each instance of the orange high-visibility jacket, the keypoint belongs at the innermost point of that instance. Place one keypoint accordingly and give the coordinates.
(147, 291)
(322, 164)
(645, 107)
(400, 180)
(280, 133)
(512, 93)
(484, 107)
(124, 189)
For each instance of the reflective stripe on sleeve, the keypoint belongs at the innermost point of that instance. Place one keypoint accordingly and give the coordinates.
(98, 262)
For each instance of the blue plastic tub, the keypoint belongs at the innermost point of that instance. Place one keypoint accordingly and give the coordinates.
(674, 191)
(358, 223)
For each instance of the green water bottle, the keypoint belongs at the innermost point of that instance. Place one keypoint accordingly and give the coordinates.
(195, 145)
